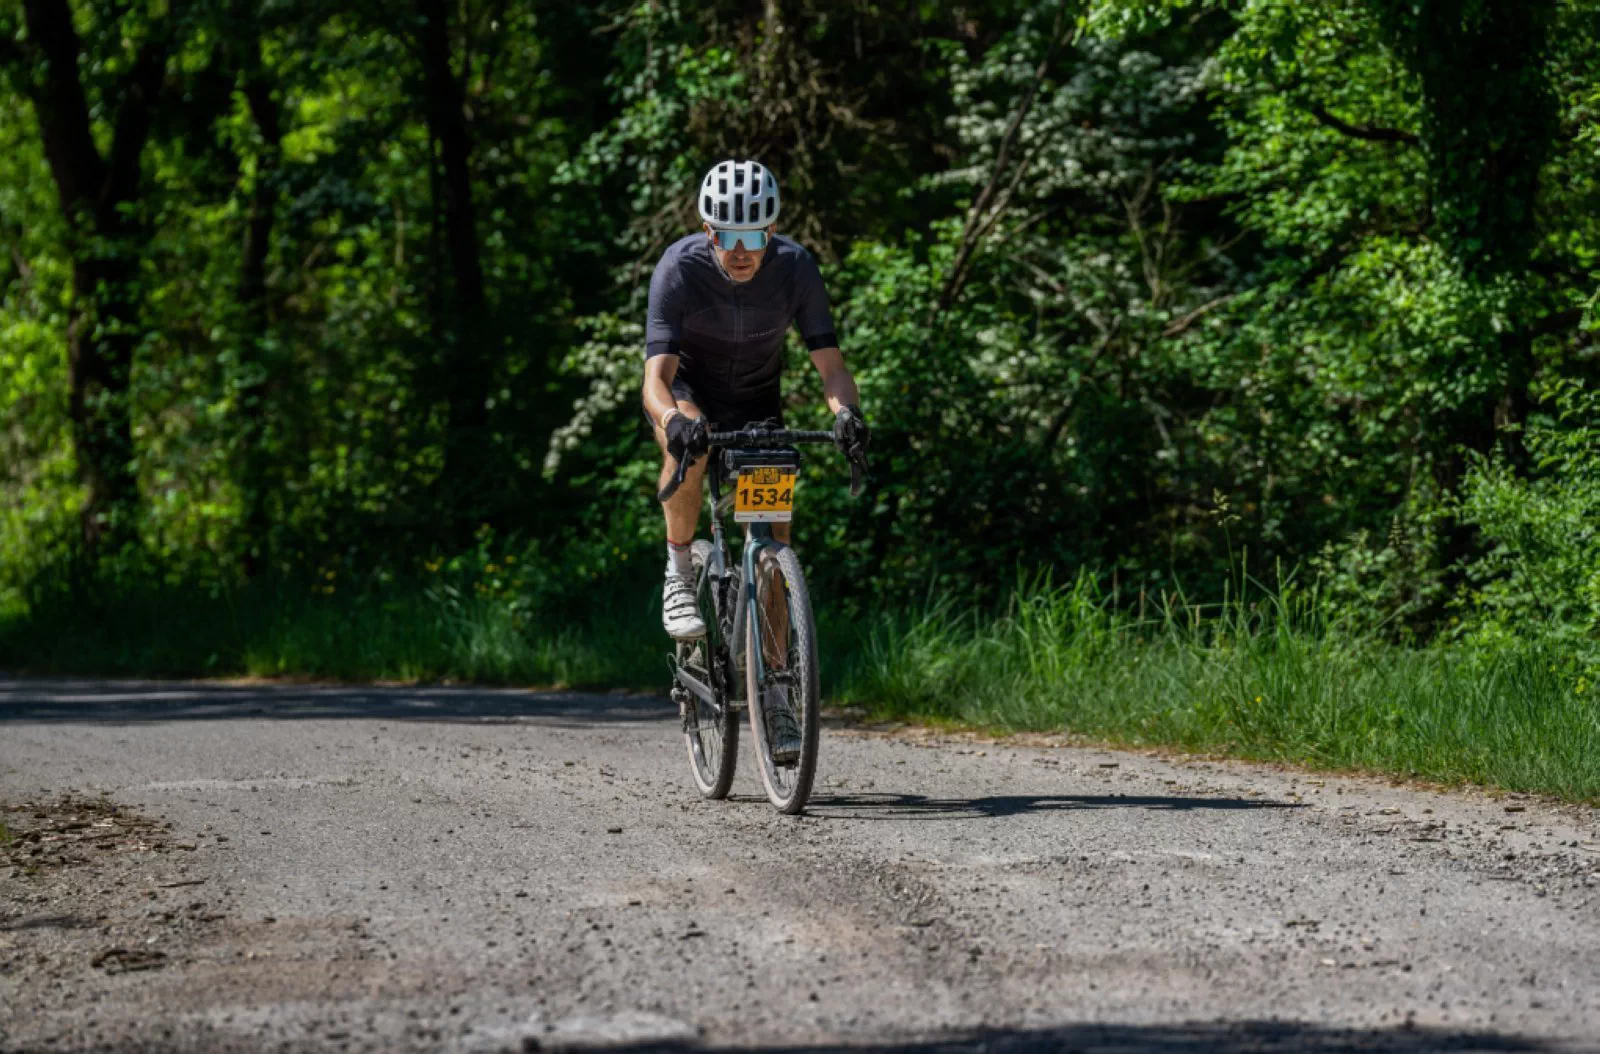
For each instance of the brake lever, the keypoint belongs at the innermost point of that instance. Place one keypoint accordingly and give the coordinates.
(858, 476)
(671, 488)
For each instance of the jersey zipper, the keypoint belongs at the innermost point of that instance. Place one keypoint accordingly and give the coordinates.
(738, 337)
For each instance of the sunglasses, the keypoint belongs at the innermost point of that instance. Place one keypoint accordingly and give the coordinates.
(754, 241)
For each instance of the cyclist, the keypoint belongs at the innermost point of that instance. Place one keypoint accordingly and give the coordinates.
(721, 302)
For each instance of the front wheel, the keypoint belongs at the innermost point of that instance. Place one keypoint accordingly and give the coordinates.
(787, 638)
(711, 731)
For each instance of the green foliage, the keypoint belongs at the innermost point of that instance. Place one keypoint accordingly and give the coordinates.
(1136, 286)
(1488, 116)
(504, 611)
(1538, 585)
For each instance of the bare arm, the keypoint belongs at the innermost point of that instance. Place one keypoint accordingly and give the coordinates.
(658, 373)
(838, 385)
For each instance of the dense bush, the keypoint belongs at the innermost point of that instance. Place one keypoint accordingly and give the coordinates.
(1537, 584)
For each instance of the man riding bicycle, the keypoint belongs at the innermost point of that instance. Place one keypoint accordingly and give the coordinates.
(721, 303)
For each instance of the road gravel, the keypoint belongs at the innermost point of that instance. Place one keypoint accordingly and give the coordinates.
(240, 867)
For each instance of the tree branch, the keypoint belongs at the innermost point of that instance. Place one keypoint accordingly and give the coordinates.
(979, 222)
(958, 274)
(1178, 325)
(1371, 133)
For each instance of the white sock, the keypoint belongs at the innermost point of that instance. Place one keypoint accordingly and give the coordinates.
(679, 561)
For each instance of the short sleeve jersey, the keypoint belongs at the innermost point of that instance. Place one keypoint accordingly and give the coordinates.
(728, 335)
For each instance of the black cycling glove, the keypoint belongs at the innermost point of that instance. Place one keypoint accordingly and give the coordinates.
(850, 432)
(687, 436)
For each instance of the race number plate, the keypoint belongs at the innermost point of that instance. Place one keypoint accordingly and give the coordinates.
(764, 494)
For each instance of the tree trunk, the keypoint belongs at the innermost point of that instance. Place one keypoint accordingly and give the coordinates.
(98, 196)
(258, 476)
(102, 332)
(465, 367)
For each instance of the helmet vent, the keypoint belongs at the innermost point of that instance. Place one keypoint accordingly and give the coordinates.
(722, 186)
(770, 206)
(708, 207)
(738, 208)
(738, 177)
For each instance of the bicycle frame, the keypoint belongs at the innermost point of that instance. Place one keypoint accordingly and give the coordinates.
(758, 536)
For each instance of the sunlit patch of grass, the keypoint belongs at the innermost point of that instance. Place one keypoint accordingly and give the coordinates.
(1267, 679)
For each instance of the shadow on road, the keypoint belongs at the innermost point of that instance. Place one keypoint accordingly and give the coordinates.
(900, 806)
(1251, 1037)
(134, 702)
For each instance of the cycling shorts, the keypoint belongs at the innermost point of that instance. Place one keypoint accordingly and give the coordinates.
(765, 407)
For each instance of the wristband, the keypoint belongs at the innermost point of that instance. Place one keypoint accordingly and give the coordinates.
(667, 417)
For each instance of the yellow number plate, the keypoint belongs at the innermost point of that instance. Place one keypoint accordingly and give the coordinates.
(764, 494)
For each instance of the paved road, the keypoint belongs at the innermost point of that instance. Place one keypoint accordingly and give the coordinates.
(288, 868)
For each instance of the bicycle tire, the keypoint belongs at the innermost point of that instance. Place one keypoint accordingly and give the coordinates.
(712, 738)
(788, 786)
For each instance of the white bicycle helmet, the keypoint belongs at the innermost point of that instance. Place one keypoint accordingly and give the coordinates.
(739, 195)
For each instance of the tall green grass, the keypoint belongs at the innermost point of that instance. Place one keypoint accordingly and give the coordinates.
(1271, 678)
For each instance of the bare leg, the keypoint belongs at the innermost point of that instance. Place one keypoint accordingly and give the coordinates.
(775, 648)
(682, 510)
(775, 607)
(774, 616)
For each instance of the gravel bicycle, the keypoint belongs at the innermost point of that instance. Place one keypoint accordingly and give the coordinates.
(761, 642)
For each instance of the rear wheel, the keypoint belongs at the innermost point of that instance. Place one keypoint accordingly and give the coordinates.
(710, 731)
(787, 638)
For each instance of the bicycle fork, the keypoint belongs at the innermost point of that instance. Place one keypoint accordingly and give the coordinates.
(757, 538)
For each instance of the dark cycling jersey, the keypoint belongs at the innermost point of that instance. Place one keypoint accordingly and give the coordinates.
(728, 336)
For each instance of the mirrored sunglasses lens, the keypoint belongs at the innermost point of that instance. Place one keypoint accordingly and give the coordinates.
(753, 240)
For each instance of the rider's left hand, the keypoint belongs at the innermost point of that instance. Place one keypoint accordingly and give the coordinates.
(687, 437)
(850, 432)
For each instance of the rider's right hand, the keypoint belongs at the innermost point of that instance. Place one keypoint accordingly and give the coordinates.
(687, 437)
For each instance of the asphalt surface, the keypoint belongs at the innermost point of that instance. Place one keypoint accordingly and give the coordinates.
(260, 868)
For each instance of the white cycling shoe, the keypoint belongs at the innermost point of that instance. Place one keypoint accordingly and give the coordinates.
(783, 731)
(680, 613)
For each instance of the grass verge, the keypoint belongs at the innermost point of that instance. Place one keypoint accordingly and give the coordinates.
(1270, 680)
